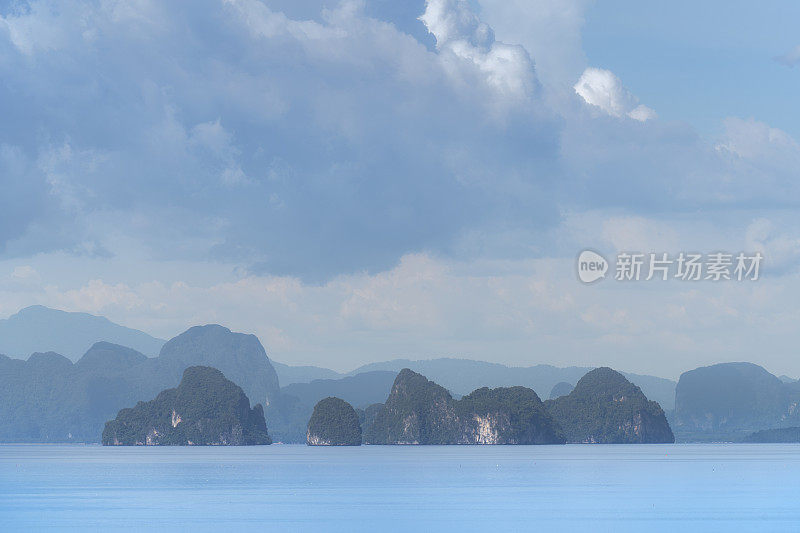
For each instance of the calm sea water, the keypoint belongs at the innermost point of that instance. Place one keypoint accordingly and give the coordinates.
(375, 488)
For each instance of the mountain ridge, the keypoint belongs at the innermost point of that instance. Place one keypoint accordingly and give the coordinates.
(48, 398)
(37, 328)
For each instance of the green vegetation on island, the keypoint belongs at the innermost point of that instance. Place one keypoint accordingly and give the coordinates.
(462, 376)
(367, 416)
(606, 408)
(334, 422)
(205, 409)
(419, 411)
(507, 415)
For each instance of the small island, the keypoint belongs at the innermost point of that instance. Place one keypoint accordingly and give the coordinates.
(205, 409)
(606, 408)
(333, 423)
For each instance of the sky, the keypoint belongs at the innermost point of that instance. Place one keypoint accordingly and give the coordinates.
(355, 181)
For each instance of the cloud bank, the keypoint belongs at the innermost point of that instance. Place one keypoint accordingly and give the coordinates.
(369, 161)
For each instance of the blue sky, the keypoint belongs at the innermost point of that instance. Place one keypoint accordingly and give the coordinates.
(701, 61)
(360, 180)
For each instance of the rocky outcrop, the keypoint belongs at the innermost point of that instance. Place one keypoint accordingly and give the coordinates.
(507, 415)
(419, 411)
(334, 422)
(205, 409)
(604, 407)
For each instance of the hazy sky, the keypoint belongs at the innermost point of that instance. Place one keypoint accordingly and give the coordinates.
(360, 180)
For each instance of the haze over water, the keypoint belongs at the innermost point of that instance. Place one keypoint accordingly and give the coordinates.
(704, 487)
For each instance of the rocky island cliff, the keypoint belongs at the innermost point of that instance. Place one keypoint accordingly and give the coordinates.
(334, 422)
(419, 411)
(606, 408)
(205, 409)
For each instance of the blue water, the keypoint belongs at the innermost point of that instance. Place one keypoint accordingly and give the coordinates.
(703, 487)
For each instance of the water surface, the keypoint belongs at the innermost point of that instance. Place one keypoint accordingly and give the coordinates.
(704, 487)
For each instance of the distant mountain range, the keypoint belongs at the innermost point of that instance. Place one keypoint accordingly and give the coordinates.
(41, 329)
(462, 376)
(288, 374)
(48, 398)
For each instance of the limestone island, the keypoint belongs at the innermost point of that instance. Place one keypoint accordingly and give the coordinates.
(419, 411)
(333, 423)
(205, 409)
(606, 408)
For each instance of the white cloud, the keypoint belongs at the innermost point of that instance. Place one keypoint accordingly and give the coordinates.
(603, 89)
(508, 69)
(232, 132)
(642, 113)
(517, 311)
(550, 30)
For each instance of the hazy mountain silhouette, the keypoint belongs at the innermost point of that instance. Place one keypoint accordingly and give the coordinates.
(47, 398)
(41, 329)
(289, 374)
(728, 401)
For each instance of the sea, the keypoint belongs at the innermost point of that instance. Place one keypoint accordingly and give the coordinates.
(680, 487)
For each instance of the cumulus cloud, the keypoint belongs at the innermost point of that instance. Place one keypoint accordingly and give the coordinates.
(315, 142)
(354, 176)
(603, 89)
(461, 34)
(303, 146)
(550, 30)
